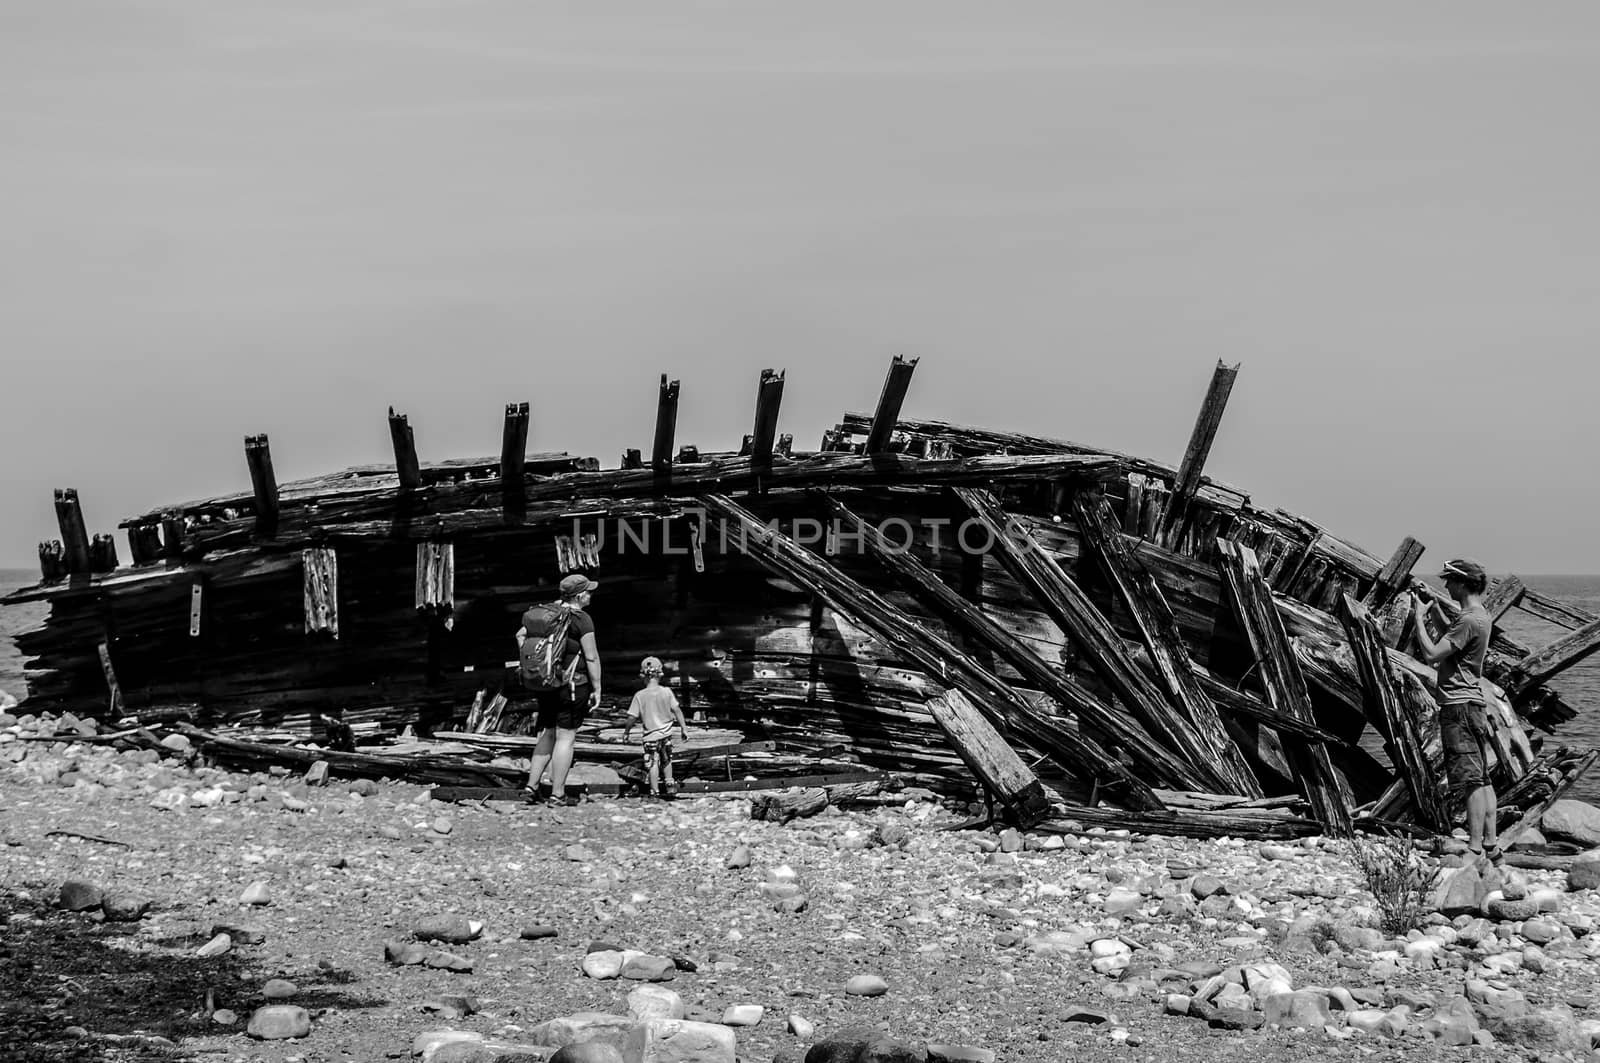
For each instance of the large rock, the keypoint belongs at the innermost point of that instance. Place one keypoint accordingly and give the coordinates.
(1576, 821)
(124, 907)
(647, 968)
(1463, 890)
(580, 1027)
(1453, 1022)
(1306, 1009)
(79, 896)
(1584, 874)
(843, 1045)
(888, 1050)
(454, 929)
(279, 1022)
(587, 1052)
(679, 1041)
(654, 1002)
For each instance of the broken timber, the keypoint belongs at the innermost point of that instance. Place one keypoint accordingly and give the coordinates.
(784, 556)
(1187, 482)
(1284, 683)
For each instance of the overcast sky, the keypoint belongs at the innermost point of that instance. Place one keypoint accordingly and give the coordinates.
(227, 217)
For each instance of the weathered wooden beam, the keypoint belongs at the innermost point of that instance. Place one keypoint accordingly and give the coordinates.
(1191, 717)
(895, 386)
(74, 533)
(769, 396)
(1242, 703)
(666, 425)
(1204, 434)
(115, 689)
(103, 554)
(320, 567)
(1504, 596)
(1395, 574)
(1380, 695)
(406, 466)
(1161, 762)
(782, 555)
(972, 732)
(52, 561)
(1540, 665)
(1284, 682)
(1562, 614)
(436, 577)
(514, 459)
(1508, 837)
(258, 455)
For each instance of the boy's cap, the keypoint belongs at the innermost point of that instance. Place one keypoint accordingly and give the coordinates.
(651, 666)
(576, 584)
(1463, 568)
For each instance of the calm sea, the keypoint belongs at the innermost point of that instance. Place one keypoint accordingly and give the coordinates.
(1580, 684)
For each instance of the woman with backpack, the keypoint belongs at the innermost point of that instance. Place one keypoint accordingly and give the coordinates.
(553, 641)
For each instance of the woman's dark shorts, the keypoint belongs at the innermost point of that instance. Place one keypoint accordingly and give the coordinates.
(562, 707)
(1464, 730)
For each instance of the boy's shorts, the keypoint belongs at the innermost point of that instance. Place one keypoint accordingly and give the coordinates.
(657, 753)
(1464, 732)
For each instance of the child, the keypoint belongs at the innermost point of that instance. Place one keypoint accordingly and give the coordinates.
(656, 707)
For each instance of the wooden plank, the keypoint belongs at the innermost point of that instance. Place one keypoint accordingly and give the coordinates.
(1503, 597)
(197, 595)
(969, 730)
(1194, 456)
(320, 567)
(263, 483)
(1555, 658)
(115, 704)
(1163, 763)
(1192, 719)
(406, 466)
(74, 534)
(514, 459)
(1380, 689)
(769, 396)
(666, 425)
(893, 397)
(1556, 612)
(993, 696)
(1243, 703)
(1395, 574)
(1284, 683)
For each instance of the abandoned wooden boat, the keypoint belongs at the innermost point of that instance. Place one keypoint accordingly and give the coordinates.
(1058, 627)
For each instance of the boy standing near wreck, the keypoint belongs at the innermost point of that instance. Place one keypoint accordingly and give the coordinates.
(1463, 716)
(656, 707)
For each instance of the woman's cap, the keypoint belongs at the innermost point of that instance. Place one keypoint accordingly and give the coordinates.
(1463, 568)
(576, 584)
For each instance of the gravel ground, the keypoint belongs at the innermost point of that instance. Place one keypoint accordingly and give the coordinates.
(960, 934)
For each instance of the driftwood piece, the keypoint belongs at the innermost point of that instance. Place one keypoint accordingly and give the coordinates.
(1284, 683)
(1162, 760)
(781, 806)
(1187, 482)
(1381, 700)
(994, 696)
(1192, 718)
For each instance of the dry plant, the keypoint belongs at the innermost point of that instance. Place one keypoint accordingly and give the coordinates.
(1398, 879)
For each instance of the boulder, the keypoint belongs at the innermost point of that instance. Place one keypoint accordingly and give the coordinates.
(680, 1041)
(587, 1052)
(888, 1050)
(1509, 911)
(404, 953)
(1203, 886)
(654, 1002)
(580, 1027)
(453, 929)
(279, 1022)
(79, 896)
(1462, 890)
(1453, 1022)
(866, 985)
(1576, 821)
(279, 989)
(646, 968)
(447, 961)
(124, 907)
(1306, 1009)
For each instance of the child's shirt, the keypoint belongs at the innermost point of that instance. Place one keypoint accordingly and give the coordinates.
(657, 708)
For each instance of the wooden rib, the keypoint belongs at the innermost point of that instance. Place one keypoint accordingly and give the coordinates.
(1284, 683)
(263, 482)
(889, 403)
(769, 396)
(405, 451)
(993, 695)
(1187, 482)
(1504, 596)
(1198, 725)
(74, 533)
(666, 425)
(513, 458)
(1556, 612)
(1395, 574)
(1380, 698)
(1163, 762)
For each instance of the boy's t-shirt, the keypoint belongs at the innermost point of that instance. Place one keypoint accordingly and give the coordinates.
(655, 707)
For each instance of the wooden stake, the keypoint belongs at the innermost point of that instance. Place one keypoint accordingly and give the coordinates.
(666, 425)
(1395, 575)
(405, 451)
(258, 454)
(895, 386)
(1284, 682)
(74, 535)
(1187, 482)
(769, 396)
(514, 459)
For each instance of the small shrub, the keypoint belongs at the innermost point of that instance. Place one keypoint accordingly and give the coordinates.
(1398, 880)
(1321, 935)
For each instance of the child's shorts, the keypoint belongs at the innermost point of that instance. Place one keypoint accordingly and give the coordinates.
(657, 753)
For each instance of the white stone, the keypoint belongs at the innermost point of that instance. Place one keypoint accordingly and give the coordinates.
(743, 1015)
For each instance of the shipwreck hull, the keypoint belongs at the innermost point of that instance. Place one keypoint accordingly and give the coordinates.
(1152, 628)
